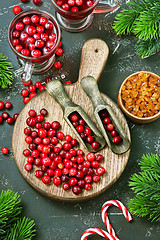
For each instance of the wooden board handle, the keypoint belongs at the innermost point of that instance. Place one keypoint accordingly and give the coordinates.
(93, 58)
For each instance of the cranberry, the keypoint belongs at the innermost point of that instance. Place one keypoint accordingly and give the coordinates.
(38, 161)
(43, 20)
(46, 161)
(107, 120)
(80, 129)
(74, 117)
(37, 140)
(40, 118)
(59, 51)
(90, 139)
(68, 164)
(27, 83)
(15, 42)
(87, 131)
(59, 2)
(26, 100)
(1, 119)
(37, 2)
(60, 165)
(16, 34)
(37, 36)
(30, 159)
(19, 26)
(32, 88)
(24, 36)
(49, 26)
(96, 178)
(56, 181)
(43, 112)
(40, 147)
(71, 2)
(73, 181)
(57, 172)
(99, 157)
(28, 167)
(1, 105)
(80, 152)
(90, 171)
(26, 152)
(85, 169)
(24, 92)
(74, 159)
(65, 171)
(39, 43)
(37, 84)
(60, 135)
(34, 134)
(68, 82)
(57, 65)
(38, 173)
(100, 171)
(73, 172)
(40, 29)
(74, 142)
(31, 30)
(31, 95)
(68, 155)
(117, 139)
(87, 186)
(90, 156)
(89, 3)
(81, 183)
(44, 168)
(28, 139)
(79, 2)
(48, 79)
(95, 164)
(18, 48)
(42, 88)
(5, 150)
(31, 121)
(81, 121)
(114, 133)
(42, 133)
(36, 53)
(88, 179)
(32, 47)
(46, 140)
(110, 127)
(65, 186)
(73, 152)
(25, 52)
(67, 146)
(80, 174)
(55, 125)
(51, 132)
(46, 179)
(8, 105)
(54, 140)
(76, 190)
(27, 131)
(32, 146)
(95, 145)
(50, 44)
(24, 1)
(86, 164)
(50, 172)
(53, 165)
(32, 113)
(65, 7)
(5, 115)
(75, 124)
(17, 9)
(83, 136)
(35, 19)
(26, 20)
(74, 9)
(80, 159)
(35, 153)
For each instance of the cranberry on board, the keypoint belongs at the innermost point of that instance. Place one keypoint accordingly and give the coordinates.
(57, 65)
(100, 171)
(38, 173)
(15, 116)
(1, 119)
(28, 167)
(24, 92)
(65, 186)
(5, 115)
(74, 117)
(95, 145)
(8, 105)
(117, 139)
(43, 111)
(31, 121)
(1, 105)
(26, 20)
(76, 190)
(17, 9)
(87, 186)
(110, 127)
(56, 181)
(46, 179)
(37, 2)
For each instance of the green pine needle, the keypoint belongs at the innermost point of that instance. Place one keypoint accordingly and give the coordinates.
(6, 71)
(146, 186)
(23, 229)
(141, 19)
(9, 209)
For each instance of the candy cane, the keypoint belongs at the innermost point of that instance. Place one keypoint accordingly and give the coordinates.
(105, 218)
(98, 232)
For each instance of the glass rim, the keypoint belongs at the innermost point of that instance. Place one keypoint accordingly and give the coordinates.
(22, 14)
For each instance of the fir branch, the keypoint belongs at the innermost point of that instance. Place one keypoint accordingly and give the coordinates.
(9, 209)
(6, 71)
(23, 229)
(146, 186)
(147, 47)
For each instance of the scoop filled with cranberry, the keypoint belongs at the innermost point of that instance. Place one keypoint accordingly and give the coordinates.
(34, 37)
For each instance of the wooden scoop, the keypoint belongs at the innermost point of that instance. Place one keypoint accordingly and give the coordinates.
(57, 91)
(90, 86)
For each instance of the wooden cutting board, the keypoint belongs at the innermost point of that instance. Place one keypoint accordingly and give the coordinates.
(94, 55)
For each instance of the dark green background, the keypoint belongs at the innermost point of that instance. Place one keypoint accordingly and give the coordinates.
(61, 220)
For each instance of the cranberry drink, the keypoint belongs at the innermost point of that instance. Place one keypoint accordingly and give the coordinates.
(34, 35)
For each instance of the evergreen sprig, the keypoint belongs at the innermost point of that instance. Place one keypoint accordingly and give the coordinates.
(12, 227)
(141, 18)
(6, 71)
(146, 186)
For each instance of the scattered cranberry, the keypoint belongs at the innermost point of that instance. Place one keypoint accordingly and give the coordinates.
(1, 119)
(15, 116)
(57, 65)
(24, 93)
(10, 120)
(5, 150)
(5, 115)
(31, 121)
(28, 167)
(100, 171)
(17, 9)
(1, 105)
(37, 2)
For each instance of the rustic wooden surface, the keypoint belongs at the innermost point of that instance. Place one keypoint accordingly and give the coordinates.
(93, 58)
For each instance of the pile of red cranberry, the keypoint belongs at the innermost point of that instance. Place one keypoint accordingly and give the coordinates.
(74, 5)
(54, 154)
(110, 128)
(34, 36)
(84, 131)
(5, 115)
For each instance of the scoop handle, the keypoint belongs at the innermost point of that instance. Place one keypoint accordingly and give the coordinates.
(93, 58)
(89, 85)
(56, 90)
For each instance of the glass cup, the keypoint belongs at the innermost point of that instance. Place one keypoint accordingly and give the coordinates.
(82, 16)
(31, 64)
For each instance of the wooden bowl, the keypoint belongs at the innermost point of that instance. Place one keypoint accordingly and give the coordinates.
(132, 117)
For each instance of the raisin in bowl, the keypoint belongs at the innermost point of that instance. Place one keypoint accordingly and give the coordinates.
(139, 97)
(34, 37)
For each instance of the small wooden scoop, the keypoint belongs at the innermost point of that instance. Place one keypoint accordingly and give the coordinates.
(90, 86)
(56, 89)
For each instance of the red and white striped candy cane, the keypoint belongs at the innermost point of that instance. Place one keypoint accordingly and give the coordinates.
(98, 232)
(105, 218)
